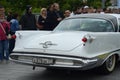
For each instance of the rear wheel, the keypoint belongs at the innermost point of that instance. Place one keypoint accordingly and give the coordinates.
(109, 65)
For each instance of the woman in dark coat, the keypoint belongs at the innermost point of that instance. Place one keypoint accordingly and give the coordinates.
(42, 20)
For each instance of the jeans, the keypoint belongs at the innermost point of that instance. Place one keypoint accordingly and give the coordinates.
(4, 50)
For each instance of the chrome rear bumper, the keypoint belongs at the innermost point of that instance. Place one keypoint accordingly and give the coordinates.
(58, 61)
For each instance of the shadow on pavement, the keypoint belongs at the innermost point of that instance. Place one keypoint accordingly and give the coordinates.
(70, 75)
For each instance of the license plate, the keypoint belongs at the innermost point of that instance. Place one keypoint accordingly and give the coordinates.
(42, 61)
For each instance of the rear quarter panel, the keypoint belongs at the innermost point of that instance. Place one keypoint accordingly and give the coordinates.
(25, 36)
(104, 42)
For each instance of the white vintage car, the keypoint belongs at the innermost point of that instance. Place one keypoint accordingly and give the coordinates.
(79, 42)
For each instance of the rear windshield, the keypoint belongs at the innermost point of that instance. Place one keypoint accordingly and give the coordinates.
(85, 24)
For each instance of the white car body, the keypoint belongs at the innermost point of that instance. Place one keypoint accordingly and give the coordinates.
(67, 49)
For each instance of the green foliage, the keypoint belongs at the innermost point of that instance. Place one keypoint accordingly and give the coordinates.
(66, 6)
(107, 3)
(36, 10)
(20, 5)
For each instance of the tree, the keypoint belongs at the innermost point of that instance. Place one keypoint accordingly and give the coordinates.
(20, 5)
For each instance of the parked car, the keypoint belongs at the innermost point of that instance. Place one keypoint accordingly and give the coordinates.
(79, 42)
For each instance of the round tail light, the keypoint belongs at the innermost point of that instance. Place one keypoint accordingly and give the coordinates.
(84, 39)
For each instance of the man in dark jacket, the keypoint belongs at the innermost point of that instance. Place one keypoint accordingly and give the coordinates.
(55, 16)
(28, 21)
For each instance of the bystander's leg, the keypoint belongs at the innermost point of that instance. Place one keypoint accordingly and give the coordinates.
(6, 49)
(1, 50)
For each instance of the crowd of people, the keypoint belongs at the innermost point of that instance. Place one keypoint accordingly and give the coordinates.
(48, 19)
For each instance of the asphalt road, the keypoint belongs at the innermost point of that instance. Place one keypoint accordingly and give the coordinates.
(13, 71)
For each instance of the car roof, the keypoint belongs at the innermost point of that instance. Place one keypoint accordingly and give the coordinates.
(110, 17)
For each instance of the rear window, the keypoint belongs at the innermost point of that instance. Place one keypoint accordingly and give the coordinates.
(85, 24)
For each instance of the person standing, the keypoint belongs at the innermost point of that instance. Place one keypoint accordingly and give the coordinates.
(28, 21)
(55, 16)
(14, 26)
(58, 14)
(9, 16)
(67, 13)
(50, 16)
(42, 20)
(4, 31)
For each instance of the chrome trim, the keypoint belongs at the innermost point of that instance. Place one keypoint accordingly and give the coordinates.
(78, 63)
(47, 44)
(49, 56)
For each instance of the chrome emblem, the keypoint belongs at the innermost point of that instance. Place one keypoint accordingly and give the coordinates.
(47, 44)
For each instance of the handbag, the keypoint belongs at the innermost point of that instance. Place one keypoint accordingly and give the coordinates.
(9, 36)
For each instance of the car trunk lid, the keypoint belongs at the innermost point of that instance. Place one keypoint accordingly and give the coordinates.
(56, 41)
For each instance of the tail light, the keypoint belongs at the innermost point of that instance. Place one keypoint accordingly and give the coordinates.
(13, 36)
(88, 38)
(84, 39)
